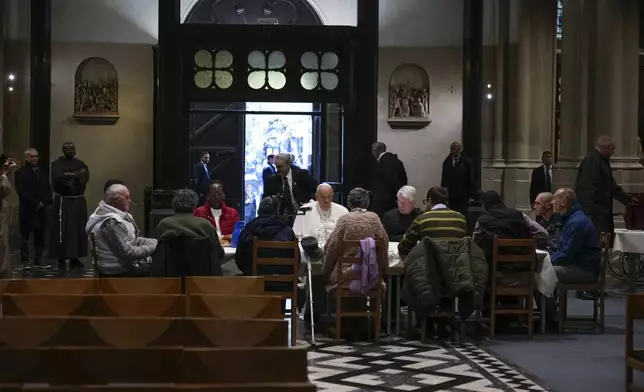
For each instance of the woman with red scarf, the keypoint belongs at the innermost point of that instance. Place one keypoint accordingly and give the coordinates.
(216, 211)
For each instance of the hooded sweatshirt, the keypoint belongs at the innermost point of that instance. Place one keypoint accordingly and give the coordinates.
(117, 244)
(265, 228)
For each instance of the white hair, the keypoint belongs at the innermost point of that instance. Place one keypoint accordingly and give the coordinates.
(113, 192)
(323, 185)
(284, 157)
(29, 151)
(408, 192)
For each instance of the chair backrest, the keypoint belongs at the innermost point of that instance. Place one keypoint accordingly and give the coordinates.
(140, 286)
(520, 253)
(348, 258)
(234, 285)
(605, 246)
(240, 307)
(282, 269)
(183, 256)
(634, 311)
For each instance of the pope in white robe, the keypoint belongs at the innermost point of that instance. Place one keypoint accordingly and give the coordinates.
(320, 221)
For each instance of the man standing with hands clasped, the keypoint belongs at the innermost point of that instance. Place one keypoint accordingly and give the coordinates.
(69, 177)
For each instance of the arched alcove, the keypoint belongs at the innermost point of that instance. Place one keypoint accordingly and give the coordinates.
(96, 91)
(250, 12)
(409, 97)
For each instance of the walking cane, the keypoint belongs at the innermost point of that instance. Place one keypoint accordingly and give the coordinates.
(309, 284)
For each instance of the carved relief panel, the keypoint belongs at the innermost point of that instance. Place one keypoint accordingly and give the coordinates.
(96, 92)
(409, 106)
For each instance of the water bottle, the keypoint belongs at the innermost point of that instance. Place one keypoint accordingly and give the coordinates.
(239, 225)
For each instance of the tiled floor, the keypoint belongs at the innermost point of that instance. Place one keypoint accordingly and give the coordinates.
(400, 365)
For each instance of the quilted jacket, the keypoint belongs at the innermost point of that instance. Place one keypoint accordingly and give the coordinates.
(435, 269)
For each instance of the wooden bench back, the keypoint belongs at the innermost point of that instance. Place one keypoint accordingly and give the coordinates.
(50, 286)
(115, 305)
(242, 387)
(125, 333)
(94, 366)
(234, 306)
(140, 286)
(238, 285)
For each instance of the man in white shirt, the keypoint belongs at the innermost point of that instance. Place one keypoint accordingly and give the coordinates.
(320, 221)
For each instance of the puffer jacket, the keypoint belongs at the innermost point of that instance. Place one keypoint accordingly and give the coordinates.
(435, 269)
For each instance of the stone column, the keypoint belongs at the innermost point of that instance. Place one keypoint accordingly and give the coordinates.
(530, 109)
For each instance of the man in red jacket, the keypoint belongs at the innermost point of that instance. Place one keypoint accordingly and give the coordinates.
(216, 211)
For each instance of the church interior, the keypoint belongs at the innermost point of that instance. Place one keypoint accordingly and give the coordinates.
(144, 89)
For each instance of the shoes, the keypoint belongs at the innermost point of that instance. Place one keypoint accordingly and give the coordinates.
(37, 264)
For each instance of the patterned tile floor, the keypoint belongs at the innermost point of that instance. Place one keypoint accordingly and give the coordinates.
(398, 365)
(394, 365)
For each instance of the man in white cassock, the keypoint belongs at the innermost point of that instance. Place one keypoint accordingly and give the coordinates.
(320, 221)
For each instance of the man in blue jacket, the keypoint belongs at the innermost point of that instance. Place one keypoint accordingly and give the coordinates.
(577, 258)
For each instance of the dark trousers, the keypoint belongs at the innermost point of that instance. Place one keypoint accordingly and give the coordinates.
(459, 205)
(137, 271)
(39, 242)
(604, 224)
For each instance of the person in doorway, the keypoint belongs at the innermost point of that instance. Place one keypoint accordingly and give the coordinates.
(541, 180)
(69, 178)
(269, 171)
(34, 194)
(458, 179)
(390, 176)
(292, 185)
(201, 176)
(216, 211)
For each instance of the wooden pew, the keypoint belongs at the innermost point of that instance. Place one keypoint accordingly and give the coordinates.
(140, 286)
(93, 365)
(245, 387)
(50, 286)
(140, 332)
(114, 305)
(234, 306)
(238, 285)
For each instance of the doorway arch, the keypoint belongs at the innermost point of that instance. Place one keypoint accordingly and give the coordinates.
(249, 12)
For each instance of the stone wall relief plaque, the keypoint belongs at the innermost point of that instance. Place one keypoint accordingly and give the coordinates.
(409, 106)
(96, 92)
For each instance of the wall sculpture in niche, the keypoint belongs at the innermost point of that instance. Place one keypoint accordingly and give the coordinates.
(96, 92)
(409, 98)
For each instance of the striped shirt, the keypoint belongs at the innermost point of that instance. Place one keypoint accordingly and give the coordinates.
(440, 223)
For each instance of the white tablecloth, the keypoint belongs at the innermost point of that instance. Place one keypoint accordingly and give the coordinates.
(545, 276)
(629, 241)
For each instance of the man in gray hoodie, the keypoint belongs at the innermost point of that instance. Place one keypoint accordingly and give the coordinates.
(119, 249)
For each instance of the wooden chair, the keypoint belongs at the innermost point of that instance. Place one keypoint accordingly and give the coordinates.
(597, 321)
(634, 357)
(237, 285)
(234, 306)
(342, 291)
(525, 257)
(292, 262)
(447, 315)
(140, 286)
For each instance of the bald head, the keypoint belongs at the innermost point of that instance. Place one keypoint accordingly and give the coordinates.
(118, 196)
(324, 196)
(455, 149)
(563, 200)
(543, 205)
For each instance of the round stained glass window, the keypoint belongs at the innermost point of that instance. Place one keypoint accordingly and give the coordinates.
(203, 78)
(309, 80)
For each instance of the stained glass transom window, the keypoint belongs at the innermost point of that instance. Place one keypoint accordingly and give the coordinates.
(319, 70)
(559, 19)
(213, 69)
(266, 70)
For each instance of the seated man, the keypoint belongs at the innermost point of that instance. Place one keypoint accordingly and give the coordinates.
(320, 221)
(548, 219)
(268, 226)
(220, 216)
(578, 256)
(110, 182)
(183, 225)
(118, 247)
(437, 222)
(398, 220)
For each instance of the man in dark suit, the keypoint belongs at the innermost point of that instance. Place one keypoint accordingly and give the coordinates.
(541, 180)
(296, 185)
(34, 194)
(201, 176)
(458, 179)
(269, 171)
(596, 188)
(389, 177)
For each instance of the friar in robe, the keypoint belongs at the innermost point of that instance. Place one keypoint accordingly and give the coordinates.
(69, 177)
